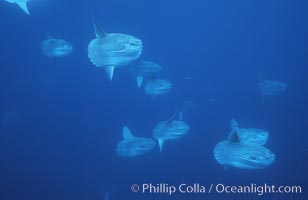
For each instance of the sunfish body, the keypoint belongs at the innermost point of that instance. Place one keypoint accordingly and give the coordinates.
(250, 135)
(169, 130)
(22, 4)
(157, 87)
(132, 146)
(111, 50)
(145, 68)
(253, 136)
(56, 47)
(244, 156)
(233, 152)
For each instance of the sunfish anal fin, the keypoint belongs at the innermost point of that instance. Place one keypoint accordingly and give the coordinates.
(23, 6)
(139, 80)
(109, 71)
(98, 29)
(160, 143)
(127, 134)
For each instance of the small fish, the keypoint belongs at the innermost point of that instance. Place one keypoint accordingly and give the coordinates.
(56, 47)
(132, 146)
(22, 4)
(157, 87)
(112, 50)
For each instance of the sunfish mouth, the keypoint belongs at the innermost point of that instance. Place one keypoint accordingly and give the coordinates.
(64, 49)
(120, 51)
(178, 133)
(162, 89)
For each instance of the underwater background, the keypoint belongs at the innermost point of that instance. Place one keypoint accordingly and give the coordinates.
(60, 125)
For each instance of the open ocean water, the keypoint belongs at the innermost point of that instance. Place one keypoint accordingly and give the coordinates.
(61, 119)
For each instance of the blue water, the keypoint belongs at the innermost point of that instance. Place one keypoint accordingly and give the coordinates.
(60, 124)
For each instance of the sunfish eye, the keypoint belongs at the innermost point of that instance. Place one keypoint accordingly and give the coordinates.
(65, 46)
(134, 43)
(253, 158)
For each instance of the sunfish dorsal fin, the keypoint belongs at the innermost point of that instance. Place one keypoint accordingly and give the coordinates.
(172, 118)
(109, 71)
(99, 32)
(160, 143)
(23, 6)
(234, 124)
(139, 80)
(127, 134)
(233, 137)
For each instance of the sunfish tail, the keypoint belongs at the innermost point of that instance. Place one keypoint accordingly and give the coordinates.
(139, 80)
(109, 70)
(160, 142)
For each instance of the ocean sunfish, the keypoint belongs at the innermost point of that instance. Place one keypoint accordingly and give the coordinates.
(53, 47)
(132, 146)
(169, 130)
(112, 50)
(157, 87)
(249, 135)
(233, 152)
(144, 69)
(268, 88)
(271, 88)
